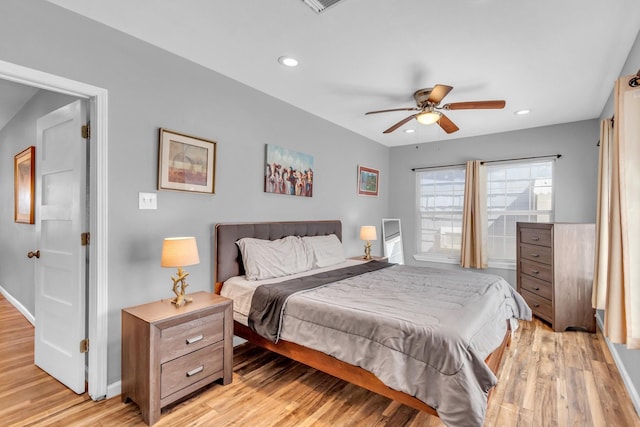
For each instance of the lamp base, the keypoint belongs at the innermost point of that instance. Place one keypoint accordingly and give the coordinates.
(181, 300)
(367, 251)
(179, 287)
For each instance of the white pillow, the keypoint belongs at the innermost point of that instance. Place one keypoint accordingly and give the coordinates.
(324, 250)
(264, 259)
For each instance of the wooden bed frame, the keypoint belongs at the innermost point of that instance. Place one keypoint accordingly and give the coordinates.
(228, 263)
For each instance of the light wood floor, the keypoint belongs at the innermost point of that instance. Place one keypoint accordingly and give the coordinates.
(547, 379)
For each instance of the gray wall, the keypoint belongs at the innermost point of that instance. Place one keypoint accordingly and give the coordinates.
(150, 88)
(16, 270)
(574, 181)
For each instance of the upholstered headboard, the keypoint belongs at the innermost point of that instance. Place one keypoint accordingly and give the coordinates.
(227, 259)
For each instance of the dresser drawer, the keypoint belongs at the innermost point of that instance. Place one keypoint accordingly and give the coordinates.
(191, 368)
(537, 270)
(536, 253)
(190, 336)
(537, 287)
(535, 236)
(540, 306)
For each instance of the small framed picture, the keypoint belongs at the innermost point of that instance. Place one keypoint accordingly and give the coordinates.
(368, 181)
(24, 167)
(186, 163)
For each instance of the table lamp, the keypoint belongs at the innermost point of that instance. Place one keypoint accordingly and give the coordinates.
(179, 252)
(368, 233)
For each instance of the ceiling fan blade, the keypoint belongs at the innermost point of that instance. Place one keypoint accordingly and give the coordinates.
(475, 105)
(447, 125)
(393, 109)
(439, 92)
(400, 123)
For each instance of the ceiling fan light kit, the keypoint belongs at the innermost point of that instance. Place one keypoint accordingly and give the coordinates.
(428, 103)
(428, 117)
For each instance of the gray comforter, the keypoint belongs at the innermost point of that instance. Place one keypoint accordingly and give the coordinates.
(420, 330)
(268, 301)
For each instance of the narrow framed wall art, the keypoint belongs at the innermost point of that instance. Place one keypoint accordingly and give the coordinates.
(24, 167)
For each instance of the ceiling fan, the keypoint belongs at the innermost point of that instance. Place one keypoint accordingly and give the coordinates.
(428, 101)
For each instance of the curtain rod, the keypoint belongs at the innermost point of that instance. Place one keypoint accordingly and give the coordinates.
(557, 156)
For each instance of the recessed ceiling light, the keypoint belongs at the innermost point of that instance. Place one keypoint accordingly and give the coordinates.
(522, 112)
(409, 130)
(288, 61)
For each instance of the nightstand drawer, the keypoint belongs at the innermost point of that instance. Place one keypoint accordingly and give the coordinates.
(536, 253)
(535, 236)
(537, 270)
(190, 336)
(540, 306)
(537, 287)
(191, 368)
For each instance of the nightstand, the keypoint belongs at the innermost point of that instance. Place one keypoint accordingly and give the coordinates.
(169, 352)
(373, 258)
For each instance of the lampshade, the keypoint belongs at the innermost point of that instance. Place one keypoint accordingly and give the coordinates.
(428, 117)
(368, 232)
(179, 252)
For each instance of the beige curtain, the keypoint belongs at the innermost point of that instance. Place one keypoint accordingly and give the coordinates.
(602, 216)
(622, 301)
(473, 252)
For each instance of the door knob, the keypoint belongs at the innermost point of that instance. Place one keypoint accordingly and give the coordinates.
(32, 254)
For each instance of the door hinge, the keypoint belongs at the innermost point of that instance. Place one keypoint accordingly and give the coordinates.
(85, 239)
(84, 345)
(86, 131)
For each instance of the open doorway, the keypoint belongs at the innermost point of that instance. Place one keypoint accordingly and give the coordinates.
(97, 303)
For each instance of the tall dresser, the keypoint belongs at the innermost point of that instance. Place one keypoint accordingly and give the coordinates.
(555, 264)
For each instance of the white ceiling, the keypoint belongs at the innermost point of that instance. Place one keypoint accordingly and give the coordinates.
(557, 58)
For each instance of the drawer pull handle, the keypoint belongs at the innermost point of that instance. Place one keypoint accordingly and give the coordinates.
(536, 305)
(195, 371)
(535, 238)
(195, 339)
(535, 271)
(535, 255)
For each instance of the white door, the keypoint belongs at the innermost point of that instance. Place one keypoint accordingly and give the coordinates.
(61, 218)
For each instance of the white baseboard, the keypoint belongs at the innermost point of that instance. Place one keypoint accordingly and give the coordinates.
(21, 308)
(114, 389)
(633, 392)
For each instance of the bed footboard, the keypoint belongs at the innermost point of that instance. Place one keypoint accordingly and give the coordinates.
(332, 366)
(354, 374)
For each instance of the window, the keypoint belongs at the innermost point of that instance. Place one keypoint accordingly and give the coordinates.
(516, 191)
(440, 198)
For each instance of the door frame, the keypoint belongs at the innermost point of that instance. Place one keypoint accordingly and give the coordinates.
(97, 302)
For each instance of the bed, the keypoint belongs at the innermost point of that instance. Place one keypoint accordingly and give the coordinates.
(469, 369)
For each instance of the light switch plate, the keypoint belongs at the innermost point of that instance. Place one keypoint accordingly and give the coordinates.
(147, 201)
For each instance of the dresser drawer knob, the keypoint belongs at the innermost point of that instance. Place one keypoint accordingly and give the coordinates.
(535, 255)
(195, 371)
(195, 339)
(535, 238)
(536, 305)
(535, 271)
(537, 289)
